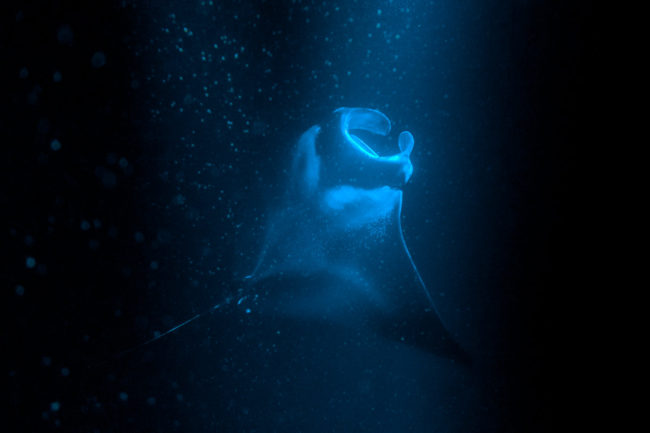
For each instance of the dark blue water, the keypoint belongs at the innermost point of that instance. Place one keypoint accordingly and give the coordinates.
(160, 142)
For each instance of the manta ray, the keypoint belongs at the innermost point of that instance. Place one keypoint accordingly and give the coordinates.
(334, 249)
(334, 253)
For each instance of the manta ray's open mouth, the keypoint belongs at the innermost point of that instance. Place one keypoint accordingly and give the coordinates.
(356, 122)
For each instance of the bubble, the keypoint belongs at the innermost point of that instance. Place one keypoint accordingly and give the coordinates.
(106, 176)
(98, 59)
(111, 158)
(65, 35)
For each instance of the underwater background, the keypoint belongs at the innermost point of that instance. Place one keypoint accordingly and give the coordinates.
(144, 143)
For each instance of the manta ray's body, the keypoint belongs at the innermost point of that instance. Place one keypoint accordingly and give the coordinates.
(334, 251)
